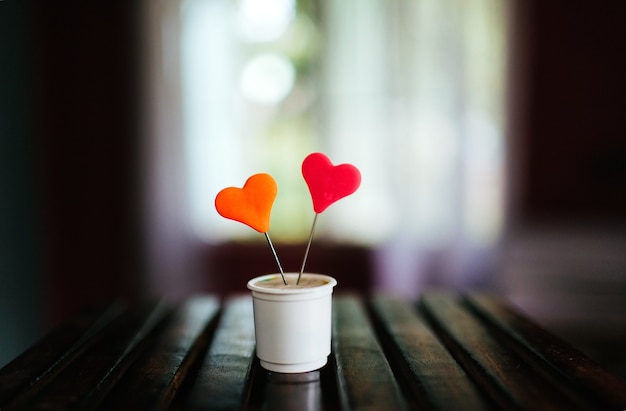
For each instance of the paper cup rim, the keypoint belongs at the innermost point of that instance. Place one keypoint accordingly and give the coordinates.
(291, 276)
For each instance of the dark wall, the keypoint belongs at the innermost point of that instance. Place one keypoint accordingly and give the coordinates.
(575, 142)
(69, 221)
(20, 245)
(86, 76)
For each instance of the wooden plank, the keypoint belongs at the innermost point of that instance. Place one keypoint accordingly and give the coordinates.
(138, 358)
(83, 383)
(504, 376)
(27, 374)
(222, 380)
(433, 379)
(538, 346)
(154, 379)
(365, 379)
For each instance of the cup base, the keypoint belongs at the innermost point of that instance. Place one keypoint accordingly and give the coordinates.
(294, 368)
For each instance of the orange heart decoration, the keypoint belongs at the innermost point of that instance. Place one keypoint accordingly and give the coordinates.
(250, 205)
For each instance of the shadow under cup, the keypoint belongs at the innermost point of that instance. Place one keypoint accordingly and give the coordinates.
(293, 323)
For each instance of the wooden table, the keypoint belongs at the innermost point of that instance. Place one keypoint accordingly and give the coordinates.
(444, 352)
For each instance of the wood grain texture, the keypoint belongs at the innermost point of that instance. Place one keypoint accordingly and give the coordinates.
(222, 382)
(447, 352)
(507, 378)
(432, 377)
(88, 378)
(570, 369)
(31, 371)
(154, 379)
(365, 379)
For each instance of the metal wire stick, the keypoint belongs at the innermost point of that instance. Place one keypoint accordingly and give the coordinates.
(282, 273)
(308, 246)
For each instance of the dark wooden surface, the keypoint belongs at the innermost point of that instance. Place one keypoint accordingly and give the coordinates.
(443, 352)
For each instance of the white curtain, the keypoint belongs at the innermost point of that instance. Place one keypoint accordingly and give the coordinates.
(414, 92)
(411, 92)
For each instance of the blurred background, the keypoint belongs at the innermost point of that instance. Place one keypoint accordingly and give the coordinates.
(489, 134)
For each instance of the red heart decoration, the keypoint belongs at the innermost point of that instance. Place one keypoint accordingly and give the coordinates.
(328, 183)
(252, 204)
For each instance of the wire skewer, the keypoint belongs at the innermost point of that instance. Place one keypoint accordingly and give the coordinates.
(308, 246)
(280, 267)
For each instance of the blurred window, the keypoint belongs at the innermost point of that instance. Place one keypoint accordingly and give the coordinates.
(411, 92)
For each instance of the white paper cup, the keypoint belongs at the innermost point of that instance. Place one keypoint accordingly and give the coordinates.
(292, 324)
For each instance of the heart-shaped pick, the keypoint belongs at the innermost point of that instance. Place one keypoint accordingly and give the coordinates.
(327, 182)
(252, 204)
